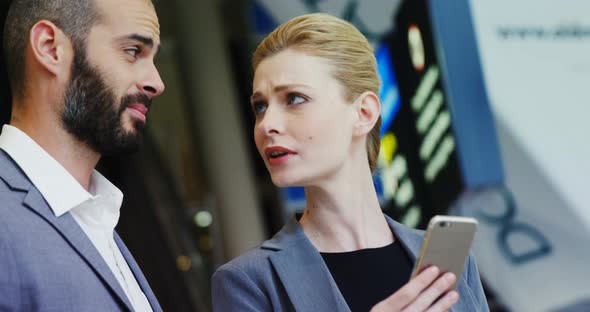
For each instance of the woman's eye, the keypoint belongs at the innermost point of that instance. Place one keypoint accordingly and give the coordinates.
(293, 98)
(258, 107)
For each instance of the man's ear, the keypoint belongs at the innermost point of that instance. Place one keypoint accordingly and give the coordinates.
(368, 110)
(50, 47)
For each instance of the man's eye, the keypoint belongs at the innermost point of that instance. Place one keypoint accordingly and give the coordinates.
(133, 51)
(293, 98)
(258, 107)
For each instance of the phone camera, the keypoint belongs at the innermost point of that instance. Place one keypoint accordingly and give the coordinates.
(444, 224)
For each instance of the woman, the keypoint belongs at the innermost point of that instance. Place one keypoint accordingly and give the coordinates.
(317, 126)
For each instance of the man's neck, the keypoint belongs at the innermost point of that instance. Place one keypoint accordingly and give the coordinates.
(75, 156)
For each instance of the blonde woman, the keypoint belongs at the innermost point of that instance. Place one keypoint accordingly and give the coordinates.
(317, 126)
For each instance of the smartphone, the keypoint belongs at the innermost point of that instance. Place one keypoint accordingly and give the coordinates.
(446, 245)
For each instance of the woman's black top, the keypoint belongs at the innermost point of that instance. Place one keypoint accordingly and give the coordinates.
(367, 276)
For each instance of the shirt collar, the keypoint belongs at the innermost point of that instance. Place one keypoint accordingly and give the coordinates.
(59, 188)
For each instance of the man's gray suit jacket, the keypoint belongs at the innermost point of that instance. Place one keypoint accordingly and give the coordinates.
(48, 263)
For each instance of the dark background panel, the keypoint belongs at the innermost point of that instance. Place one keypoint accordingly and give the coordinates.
(5, 96)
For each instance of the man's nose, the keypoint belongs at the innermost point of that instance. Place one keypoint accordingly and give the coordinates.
(152, 85)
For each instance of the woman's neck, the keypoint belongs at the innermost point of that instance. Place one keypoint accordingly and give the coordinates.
(344, 215)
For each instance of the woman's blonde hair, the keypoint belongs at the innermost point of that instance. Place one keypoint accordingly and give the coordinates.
(346, 49)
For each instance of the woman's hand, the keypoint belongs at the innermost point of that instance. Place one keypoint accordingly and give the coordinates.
(421, 294)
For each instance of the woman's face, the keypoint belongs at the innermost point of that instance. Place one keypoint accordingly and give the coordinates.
(304, 125)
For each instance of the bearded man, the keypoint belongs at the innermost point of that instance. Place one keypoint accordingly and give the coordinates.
(82, 77)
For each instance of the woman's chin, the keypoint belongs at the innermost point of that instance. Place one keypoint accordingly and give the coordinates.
(283, 181)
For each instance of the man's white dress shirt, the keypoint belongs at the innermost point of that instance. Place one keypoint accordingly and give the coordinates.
(97, 211)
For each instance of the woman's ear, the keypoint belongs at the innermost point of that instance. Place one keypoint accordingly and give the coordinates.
(368, 110)
(49, 47)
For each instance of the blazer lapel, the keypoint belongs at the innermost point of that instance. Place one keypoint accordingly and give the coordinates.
(302, 271)
(305, 276)
(71, 231)
(145, 287)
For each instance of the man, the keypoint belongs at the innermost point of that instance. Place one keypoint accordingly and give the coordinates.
(82, 77)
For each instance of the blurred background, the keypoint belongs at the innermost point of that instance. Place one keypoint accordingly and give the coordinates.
(485, 114)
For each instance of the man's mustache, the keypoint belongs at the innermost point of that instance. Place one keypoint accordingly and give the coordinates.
(140, 98)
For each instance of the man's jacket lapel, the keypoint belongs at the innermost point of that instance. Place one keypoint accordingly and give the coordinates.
(71, 231)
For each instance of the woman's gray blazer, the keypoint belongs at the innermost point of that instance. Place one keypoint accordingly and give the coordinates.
(287, 273)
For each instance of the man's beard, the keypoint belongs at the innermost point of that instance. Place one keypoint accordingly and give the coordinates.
(91, 112)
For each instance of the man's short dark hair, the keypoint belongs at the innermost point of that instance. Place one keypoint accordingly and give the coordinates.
(74, 17)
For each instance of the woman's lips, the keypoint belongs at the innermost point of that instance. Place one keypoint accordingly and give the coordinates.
(278, 155)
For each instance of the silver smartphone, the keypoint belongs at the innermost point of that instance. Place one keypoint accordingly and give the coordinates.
(446, 244)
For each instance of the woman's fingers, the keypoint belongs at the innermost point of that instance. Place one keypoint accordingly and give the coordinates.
(409, 292)
(445, 303)
(426, 292)
(427, 298)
